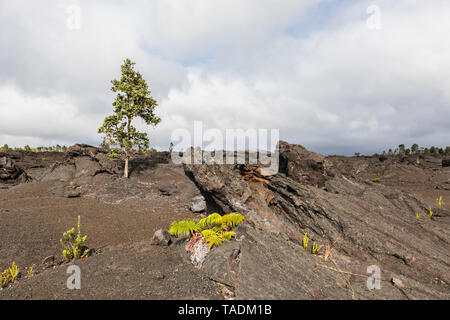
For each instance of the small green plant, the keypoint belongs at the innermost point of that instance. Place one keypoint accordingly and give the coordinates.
(315, 248)
(14, 271)
(5, 278)
(305, 241)
(215, 228)
(376, 180)
(30, 271)
(9, 275)
(75, 246)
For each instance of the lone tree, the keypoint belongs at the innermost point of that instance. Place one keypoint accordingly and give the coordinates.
(133, 100)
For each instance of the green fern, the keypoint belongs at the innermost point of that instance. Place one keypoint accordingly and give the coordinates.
(184, 228)
(227, 235)
(231, 220)
(214, 228)
(210, 221)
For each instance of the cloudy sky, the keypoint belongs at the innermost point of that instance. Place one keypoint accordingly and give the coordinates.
(337, 76)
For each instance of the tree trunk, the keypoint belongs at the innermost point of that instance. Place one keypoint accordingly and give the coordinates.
(125, 172)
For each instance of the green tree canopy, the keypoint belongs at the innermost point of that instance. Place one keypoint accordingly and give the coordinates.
(133, 100)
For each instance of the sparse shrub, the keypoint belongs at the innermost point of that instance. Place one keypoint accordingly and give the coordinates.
(9, 275)
(315, 248)
(74, 243)
(30, 271)
(376, 180)
(305, 241)
(215, 229)
(14, 271)
(5, 278)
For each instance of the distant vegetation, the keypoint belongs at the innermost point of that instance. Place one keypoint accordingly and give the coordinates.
(56, 148)
(414, 150)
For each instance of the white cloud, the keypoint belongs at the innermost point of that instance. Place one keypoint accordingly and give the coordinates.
(55, 118)
(334, 86)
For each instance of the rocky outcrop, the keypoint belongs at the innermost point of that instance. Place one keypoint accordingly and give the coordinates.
(361, 223)
(304, 166)
(160, 238)
(10, 172)
(446, 162)
(198, 204)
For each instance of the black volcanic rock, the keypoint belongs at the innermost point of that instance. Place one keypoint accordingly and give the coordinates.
(9, 171)
(446, 162)
(363, 225)
(304, 166)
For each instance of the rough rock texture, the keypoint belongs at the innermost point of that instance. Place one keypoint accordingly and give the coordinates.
(198, 204)
(304, 166)
(363, 223)
(357, 222)
(161, 238)
(9, 171)
(446, 162)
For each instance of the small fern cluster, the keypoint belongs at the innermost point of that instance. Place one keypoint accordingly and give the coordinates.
(75, 247)
(214, 228)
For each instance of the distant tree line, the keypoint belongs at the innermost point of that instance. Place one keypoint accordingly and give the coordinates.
(416, 150)
(56, 148)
